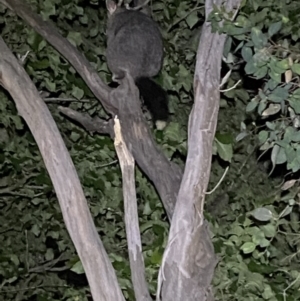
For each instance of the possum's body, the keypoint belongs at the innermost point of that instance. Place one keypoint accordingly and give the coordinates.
(134, 44)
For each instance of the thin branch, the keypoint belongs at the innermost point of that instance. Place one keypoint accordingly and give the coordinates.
(219, 183)
(91, 124)
(59, 99)
(131, 217)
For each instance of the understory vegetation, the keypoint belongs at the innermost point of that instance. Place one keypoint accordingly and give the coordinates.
(253, 212)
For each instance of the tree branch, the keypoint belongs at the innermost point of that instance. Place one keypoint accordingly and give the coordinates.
(189, 262)
(65, 180)
(136, 259)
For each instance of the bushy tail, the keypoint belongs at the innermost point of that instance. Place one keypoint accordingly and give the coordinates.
(156, 100)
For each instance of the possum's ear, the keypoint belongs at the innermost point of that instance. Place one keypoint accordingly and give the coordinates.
(111, 6)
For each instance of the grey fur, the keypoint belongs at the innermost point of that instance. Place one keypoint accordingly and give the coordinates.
(134, 43)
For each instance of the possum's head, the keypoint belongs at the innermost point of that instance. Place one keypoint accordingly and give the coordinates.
(136, 5)
(113, 7)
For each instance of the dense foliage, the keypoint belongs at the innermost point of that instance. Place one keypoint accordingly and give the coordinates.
(253, 215)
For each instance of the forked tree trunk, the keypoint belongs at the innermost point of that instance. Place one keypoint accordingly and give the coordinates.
(189, 259)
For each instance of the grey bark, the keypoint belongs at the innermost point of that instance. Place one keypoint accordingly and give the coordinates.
(99, 271)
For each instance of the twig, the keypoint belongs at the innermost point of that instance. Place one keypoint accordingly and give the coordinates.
(221, 180)
(231, 88)
(59, 99)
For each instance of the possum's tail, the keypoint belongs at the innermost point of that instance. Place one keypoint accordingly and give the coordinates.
(155, 99)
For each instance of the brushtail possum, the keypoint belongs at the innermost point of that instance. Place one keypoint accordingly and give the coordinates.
(134, 44)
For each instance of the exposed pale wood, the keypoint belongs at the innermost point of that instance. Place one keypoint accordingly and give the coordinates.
(134, 243)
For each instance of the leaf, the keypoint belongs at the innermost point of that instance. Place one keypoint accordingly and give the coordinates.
(261, 107)
(192, 19)
(49, 254)
(224, 138)
(287, 210)
(251, 105)
(78, 268)
(35, 230)
(250, 68)
(248, 247)
(269, 230)
(296, 68)
(225, 151)
(281, 156)
(75, 38)
(241, 136)
(273, 108)
(51, 86)
(279, 95)
(77, 92)
(261, 72)
(268, 293)
(40, 64)
(262, 214)
(288, 184)
(247, 54)
(274, 28)
(295, 104)
(173, 133)
(263, 136)
(156, 256)
(258, 38)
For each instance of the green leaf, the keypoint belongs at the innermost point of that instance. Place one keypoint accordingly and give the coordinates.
(51, 86)
(247, 54)
(279, 95)
(75, 38)
(241, 136)
(296, 68)
(250, 68)
(274, 28)
(295, 104)
(278, 155)
(261, 72)
(35, 230)
(251, 105)
(172, 133)
(263, 136)
(262, 214)
(192, 19)
(224, 138)
(77, 92)
(268, 293)
(49, 254)
(225, 151)
(283, 64)
(78, 268)
(40, 65)
(248, 247)
(258, 38)
(156, 256)
(269, 230)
